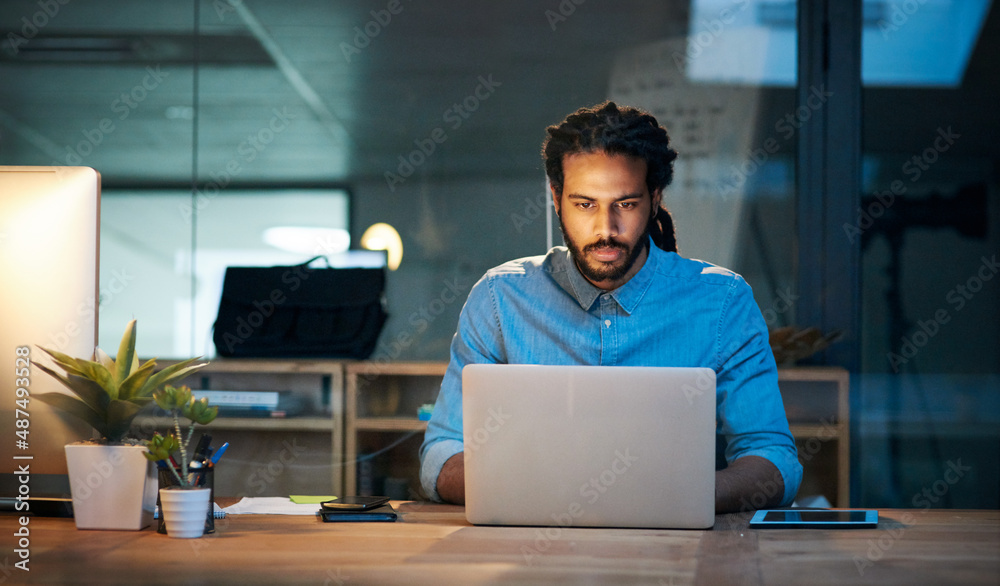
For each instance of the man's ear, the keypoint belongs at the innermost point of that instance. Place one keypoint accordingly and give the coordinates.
(657, 197)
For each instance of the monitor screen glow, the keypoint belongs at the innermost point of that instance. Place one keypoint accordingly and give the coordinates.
(49, 250)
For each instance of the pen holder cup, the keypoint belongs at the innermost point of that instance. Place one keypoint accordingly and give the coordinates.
(202, 478)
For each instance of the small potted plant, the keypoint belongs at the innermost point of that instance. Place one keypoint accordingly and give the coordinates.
(184, 504)
(112, 485)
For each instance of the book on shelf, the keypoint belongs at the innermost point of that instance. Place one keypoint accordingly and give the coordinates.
(262, 399)
(253, 403)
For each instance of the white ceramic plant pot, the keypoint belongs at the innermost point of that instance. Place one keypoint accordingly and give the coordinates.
(113, 487)
(184, 510)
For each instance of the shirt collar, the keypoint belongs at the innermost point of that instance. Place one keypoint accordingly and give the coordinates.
(628, 296)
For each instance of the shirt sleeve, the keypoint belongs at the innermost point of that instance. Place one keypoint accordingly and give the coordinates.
(477, 340)
(750, 412)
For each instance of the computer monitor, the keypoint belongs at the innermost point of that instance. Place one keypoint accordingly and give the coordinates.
(49, 245)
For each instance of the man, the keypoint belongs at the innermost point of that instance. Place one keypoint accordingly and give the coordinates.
(619, 294)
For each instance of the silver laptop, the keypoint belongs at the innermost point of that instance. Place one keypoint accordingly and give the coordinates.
(589, 446)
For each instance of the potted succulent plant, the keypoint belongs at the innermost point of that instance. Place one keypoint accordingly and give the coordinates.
(113, 486)
(184, 504)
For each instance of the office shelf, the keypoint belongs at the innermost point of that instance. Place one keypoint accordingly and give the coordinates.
(817, 405)
(318, 424)
(272, 456)
(360, 432)
(381, 430)
(389, 424)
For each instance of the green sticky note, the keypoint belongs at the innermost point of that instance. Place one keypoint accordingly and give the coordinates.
(305, 499)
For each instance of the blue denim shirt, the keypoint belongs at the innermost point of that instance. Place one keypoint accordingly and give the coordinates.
(673, 312)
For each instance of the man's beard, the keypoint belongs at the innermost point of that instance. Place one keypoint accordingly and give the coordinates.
(598, 271)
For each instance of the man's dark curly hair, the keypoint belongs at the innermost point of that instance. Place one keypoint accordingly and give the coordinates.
(616, 130)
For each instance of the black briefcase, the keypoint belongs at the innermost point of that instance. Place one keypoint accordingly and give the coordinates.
(297, 311)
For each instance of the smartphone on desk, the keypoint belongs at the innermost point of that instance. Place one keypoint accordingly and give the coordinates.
(354, 503)
(815, 519)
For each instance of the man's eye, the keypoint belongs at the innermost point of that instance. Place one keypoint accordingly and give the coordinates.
(626, 205)
(585, 205)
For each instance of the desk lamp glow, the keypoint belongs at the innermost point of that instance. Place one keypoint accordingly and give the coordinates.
(382, 236)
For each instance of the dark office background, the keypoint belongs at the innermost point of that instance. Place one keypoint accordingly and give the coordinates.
(871, 208)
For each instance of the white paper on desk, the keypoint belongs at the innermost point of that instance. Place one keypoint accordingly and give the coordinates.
(270, 505)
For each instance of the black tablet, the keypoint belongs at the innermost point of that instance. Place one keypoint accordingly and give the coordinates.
(384, 513)
(814, 518)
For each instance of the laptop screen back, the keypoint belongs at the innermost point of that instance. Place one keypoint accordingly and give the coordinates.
(589, 445)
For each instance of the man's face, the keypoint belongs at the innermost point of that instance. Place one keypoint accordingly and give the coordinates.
(604, 213)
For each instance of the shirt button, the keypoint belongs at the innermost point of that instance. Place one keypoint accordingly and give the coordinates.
(607, 322)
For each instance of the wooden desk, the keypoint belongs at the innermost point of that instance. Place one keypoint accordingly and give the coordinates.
(433, 544)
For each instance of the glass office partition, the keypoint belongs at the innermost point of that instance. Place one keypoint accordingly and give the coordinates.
(929, 230)
(433, 115)
(726, 92)
(164, 253)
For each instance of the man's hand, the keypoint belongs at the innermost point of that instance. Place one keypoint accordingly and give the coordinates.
(748, 483)
(451, 480)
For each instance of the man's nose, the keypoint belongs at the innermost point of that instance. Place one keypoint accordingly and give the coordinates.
(606, 224)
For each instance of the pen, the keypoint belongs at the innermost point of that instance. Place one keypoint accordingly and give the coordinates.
(222, 450)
